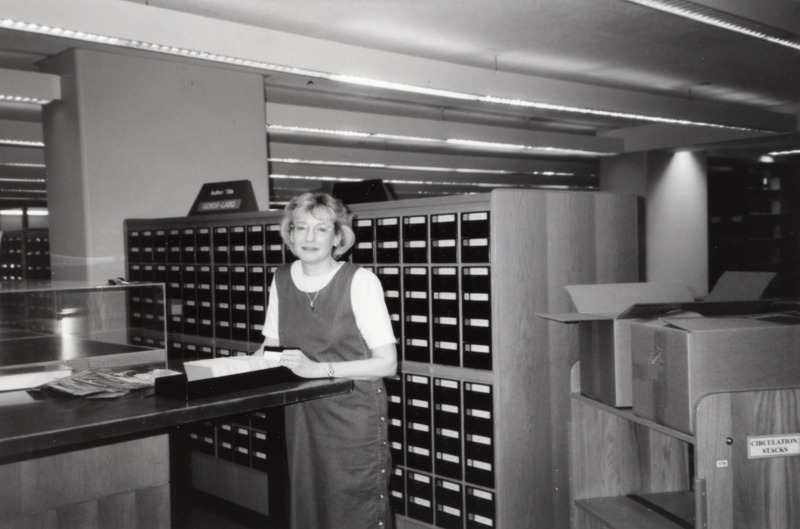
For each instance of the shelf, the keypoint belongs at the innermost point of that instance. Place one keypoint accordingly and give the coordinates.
(667, 510)
(769, 214)
(627, 414)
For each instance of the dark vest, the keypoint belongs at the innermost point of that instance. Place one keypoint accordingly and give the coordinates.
(328, 333)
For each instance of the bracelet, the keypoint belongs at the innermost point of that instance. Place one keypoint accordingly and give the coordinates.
(331, 373)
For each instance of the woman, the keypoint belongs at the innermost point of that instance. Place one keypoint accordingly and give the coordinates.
(332, 318)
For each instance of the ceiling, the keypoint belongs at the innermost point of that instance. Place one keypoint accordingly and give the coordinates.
(629, 56)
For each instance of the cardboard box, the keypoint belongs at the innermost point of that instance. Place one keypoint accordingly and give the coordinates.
(740, 286)
(605, 315)
(606, 311)
(678, 360)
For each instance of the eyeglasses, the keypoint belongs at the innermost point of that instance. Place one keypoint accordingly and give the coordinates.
(319, 229)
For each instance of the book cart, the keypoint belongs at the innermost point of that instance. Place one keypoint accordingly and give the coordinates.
(740, 469)
(478, 411)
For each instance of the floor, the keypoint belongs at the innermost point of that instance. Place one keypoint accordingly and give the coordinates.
(208, 512)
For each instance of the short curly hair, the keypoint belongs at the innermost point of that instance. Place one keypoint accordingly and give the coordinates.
(326, 208)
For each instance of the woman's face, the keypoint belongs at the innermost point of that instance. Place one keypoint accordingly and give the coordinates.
(313, 239)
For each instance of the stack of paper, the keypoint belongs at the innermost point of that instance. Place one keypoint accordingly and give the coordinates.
(95, 383)
(222, 366)
(26, 380)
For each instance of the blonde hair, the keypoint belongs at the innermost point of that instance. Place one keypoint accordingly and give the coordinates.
(326, 208)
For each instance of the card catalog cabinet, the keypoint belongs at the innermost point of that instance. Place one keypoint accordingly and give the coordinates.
(25, 255)
(480, 406)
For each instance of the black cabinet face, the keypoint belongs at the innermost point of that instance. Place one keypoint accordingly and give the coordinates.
(160, 246)
(419, 445)
(273, 244)
(174, 246)
(237, 244)
(364, 248)
(479, 434)
(387, 240)
(415, 239)
(203, 245)
(188, 248)
(475, 232)
(449, 504)
(419, 490)
(255, 244)
(444, 238)
(444, 226)
(221, 243)
(397, 489)
(479, 459)
(480, 508)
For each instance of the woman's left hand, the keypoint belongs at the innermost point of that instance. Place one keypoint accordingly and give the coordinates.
(301, 365)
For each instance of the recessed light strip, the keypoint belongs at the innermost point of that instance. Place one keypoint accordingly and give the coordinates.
(30, 212)
(349, 79)
(483, 145)
(785, 153)
(408, 182)
(20, 164)
(21, 143)
(22, 191)
(610, 114)
(427, 169)
(25, 180)
(7, 98)
(716, 18)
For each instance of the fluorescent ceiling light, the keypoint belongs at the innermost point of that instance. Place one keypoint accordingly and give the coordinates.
(785, 153)
(721, 19)
(31, 212)
(479, 145)
(402, 87)
(23, 191)
(343, 78)
(22, 99)
(21, 143)
(21, 164)
(402, 182)
(26, 180)
(319, 178)
(427, 169)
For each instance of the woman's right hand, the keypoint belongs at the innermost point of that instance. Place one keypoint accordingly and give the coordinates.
(301, 365)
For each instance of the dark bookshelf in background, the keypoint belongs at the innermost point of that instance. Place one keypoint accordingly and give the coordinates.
(754, 221)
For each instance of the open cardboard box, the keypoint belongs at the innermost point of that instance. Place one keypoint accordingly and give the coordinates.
(678, 360)
(603, 316)
(605, 313)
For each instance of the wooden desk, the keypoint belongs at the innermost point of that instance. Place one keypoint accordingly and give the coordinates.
(75, 462)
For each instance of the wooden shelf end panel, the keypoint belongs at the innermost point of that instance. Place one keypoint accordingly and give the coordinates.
(747, 455)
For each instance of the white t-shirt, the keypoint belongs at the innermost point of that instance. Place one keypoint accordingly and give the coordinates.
(366, 295)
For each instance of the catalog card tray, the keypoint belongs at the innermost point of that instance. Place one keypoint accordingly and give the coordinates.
(179, 387)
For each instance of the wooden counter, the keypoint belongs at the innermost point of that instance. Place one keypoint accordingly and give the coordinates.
(74, 462)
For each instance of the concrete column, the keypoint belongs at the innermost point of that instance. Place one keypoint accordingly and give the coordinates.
(136, 137)
(674, 186)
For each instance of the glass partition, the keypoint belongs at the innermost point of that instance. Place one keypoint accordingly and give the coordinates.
(50, 329)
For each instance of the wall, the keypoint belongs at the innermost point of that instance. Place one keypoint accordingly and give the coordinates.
(674, 186)
(136, 137)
